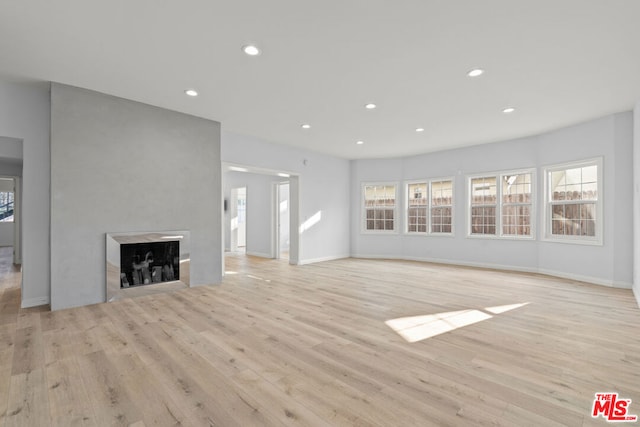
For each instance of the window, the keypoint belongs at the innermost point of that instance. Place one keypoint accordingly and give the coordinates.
(430, 206)
(6, 206)
(441, 206)
(417, 207)
(483, 205)
(516, 204)
(379, 207)
(573, 210)
(501, 205)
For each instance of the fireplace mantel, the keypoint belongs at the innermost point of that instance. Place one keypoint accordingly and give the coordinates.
(115, 289)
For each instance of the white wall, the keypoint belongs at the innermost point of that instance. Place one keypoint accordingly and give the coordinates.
(6, 234)
(636, 202)
(24, 115)
(11, 149)
(10, 168)
(323, 188)
(122, 166)
(609, 137)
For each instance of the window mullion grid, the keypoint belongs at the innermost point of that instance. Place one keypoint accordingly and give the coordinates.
(451, 218)
(407, 208)
(427, 188)
(518, 225)
(499, 204)
(429, 206)
(484, 216)
(566, 203)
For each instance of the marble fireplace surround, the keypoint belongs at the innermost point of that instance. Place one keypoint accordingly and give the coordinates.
(114, 240)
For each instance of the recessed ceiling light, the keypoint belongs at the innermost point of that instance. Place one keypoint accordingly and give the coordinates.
(306, 126)
(251, 50)
(284, 175)
(359, 142)
(191, 92)
(475, 72)
(370, 106)
(508, 110)
(419, 129)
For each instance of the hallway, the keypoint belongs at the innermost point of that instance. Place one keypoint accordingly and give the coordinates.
(10, 274)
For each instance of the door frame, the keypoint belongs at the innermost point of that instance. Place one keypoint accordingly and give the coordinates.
(294, 205)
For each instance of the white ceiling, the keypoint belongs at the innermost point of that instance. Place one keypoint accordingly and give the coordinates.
(558, 62)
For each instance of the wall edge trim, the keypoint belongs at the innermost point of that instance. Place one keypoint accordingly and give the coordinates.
(34, 302)
(322, 259)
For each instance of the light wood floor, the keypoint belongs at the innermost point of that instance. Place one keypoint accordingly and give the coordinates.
(282, 345)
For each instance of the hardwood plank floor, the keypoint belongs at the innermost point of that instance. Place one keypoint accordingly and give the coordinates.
(309, 345)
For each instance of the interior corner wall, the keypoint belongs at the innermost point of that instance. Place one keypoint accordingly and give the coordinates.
(122, 166)
(24, 115)
(636, 202)
(608, 137)
(323, 188)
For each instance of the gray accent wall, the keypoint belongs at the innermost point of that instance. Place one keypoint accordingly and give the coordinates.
(122, 166)
(610, 264)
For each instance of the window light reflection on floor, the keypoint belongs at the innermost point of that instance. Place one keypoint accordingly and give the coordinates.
(418, 328)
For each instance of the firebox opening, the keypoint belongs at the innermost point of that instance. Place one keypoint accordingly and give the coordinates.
(149, 263)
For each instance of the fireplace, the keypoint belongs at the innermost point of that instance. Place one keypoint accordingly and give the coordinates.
(146, 263)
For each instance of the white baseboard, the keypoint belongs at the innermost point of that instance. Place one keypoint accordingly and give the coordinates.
(365, 256)
(588, 279)
(476, 264)
(322, 259)
(259, 254)
(452, 262)
(561, 274)
(35, 302)
(622, 285)
(636, 292)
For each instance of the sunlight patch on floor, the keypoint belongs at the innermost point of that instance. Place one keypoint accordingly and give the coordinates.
(418, 328)
(504, 308)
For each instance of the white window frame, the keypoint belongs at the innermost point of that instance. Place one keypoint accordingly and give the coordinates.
(549, 203)
(363, 209)
(429, 206)
(499, 205)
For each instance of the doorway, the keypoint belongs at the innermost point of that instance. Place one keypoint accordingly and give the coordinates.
(253, 223)
(238, 211)
(10, 215)
(283, 220)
